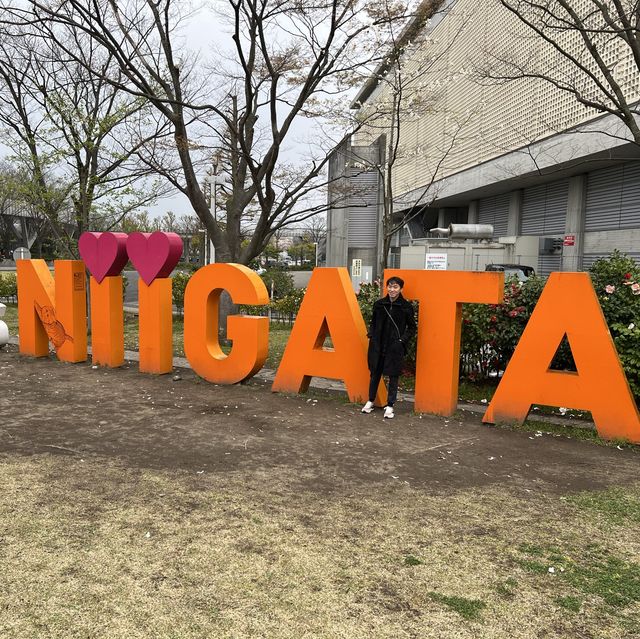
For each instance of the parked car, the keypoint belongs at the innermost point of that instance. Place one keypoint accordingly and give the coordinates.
(521, 271)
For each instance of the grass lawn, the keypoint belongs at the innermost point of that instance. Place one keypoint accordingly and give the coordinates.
(104, 546)
(11, 318)
(90, 548)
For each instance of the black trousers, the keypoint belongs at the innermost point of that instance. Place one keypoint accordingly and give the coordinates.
(392, 387)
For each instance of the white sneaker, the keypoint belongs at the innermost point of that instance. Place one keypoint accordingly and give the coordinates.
(368, 407)
(388, 412)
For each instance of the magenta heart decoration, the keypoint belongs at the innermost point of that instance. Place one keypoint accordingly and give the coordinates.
(104, 254)
(154, 255)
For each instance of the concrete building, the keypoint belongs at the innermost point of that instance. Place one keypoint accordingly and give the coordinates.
(559, 181)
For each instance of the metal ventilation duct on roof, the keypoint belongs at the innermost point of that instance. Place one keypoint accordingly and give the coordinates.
(466, 231)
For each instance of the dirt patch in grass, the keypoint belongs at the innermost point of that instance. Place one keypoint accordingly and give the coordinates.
(138, 506)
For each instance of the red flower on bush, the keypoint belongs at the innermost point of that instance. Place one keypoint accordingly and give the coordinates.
(627, 276)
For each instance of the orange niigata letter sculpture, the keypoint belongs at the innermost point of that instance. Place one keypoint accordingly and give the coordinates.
(440, 295)
(107, 321)
(155, 328)
(52, 310)
(329, 308)
(105, 255)
(250, 335)
(568, 306)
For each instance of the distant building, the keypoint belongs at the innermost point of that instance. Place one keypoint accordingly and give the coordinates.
(559, 182)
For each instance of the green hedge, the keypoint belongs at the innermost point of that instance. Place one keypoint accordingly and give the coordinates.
(617, 283)
(178, 286)
(490, 333)
(8, 287)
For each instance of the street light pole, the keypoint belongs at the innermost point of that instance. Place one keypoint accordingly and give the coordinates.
(214, 180)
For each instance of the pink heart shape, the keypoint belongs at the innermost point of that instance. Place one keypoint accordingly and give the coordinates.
(154, 255)
(104, 254)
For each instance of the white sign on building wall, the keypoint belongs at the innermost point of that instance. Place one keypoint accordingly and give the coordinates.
(436, 262)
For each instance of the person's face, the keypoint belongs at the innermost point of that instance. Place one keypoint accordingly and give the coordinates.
(393, 289)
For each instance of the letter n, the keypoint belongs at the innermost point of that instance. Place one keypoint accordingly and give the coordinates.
(52, 310)
(568, 306)
(329, 308)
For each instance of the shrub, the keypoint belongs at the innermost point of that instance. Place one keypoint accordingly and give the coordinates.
(8, 286)
(367, 296)
(125, 285)
(255, 311)
(490, 332)
(290, 303)
(282, 282)
(178, 286)
(616, 280)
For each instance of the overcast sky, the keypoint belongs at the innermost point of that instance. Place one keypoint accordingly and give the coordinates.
(206, 33)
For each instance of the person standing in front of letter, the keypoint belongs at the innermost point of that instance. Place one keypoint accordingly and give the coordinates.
(392, 327)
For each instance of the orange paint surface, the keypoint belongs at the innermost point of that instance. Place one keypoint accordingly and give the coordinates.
(568, 305)
(52, 310)
(440, 295)
(250, 335)
(155, 339)
(107, 322)
(329, 308)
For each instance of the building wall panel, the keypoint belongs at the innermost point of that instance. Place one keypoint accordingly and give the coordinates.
(495, 211)
(544, 209)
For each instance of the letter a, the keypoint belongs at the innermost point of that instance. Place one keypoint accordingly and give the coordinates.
(329, 308)
(568, 305)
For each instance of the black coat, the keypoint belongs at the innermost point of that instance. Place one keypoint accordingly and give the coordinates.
(388, 340)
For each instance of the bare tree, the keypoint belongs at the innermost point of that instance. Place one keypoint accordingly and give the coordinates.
(592, 53)
(315, 229)
(410, 83)
(289, 60)
(72, 132)
(21, 221)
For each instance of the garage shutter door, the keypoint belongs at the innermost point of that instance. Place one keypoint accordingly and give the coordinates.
(363, 225)
(589, 258)
(495, 210)
(544, 209)
(549, 264)
(613, 198)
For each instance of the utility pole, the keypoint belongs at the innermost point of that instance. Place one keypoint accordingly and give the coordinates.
(212, 181)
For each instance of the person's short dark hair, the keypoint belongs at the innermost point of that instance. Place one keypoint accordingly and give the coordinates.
(398, 280)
